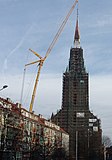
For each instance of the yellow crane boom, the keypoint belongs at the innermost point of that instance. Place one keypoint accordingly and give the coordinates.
(60, 29)
(41, 60)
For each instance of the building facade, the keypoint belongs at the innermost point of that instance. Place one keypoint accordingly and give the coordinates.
(27, 136)
(74, 116)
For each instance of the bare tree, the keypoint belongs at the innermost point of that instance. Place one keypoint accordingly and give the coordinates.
(106, 141)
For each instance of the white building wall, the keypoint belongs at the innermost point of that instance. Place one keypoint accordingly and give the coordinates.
(65, 142)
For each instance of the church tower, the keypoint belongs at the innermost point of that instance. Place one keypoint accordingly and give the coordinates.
(74, 116)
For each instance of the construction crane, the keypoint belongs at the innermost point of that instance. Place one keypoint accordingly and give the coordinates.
(42, 59)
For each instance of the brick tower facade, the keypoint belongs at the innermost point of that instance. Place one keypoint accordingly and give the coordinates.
(74, 116)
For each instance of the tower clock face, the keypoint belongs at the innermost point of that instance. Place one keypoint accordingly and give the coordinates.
(95, 128)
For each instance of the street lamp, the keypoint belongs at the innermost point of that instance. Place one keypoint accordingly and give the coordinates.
(5, 86)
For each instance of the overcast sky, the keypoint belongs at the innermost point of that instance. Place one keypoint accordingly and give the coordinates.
(33, 24)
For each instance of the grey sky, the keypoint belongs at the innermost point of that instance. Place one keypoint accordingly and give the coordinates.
(33, 24)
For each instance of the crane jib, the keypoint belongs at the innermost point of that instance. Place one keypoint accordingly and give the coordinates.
(41, 60)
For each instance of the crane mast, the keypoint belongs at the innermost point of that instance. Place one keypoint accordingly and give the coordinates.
(41, 60)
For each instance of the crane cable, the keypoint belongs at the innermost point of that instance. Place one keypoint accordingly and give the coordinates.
(22, 86)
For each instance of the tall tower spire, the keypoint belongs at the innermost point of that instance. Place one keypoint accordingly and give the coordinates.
(77, 34)
(74, 116)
